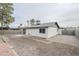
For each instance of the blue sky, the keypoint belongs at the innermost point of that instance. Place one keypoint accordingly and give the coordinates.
(64, 14)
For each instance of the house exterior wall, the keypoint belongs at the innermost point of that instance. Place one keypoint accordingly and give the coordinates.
(77, 33)
(60, 31)
(35, 32)
(52, 31)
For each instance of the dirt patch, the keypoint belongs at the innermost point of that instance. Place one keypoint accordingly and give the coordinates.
(27, 46)
(5, 50)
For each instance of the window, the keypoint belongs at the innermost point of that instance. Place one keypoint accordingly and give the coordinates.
(42, 30)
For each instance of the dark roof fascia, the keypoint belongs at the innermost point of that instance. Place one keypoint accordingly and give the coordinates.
(57, 24)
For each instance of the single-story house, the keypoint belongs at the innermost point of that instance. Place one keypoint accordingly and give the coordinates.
(45, 30)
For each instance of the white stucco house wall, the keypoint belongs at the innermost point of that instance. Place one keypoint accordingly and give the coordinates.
(45, 30)
(60, 31)
(77, 32)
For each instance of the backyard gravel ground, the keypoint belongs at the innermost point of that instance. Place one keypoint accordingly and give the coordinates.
(36, 46)
(5, 50)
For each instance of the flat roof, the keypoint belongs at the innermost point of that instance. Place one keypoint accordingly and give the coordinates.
(44, 25)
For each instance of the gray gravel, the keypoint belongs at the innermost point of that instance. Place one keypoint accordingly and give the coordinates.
(32, 46)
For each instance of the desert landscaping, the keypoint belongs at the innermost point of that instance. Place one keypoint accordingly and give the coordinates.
(60, 45)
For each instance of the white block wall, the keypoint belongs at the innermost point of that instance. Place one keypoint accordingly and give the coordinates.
(77, 32)
(60, 31)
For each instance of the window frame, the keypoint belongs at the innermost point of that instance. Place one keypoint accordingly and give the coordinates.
(42, 30)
